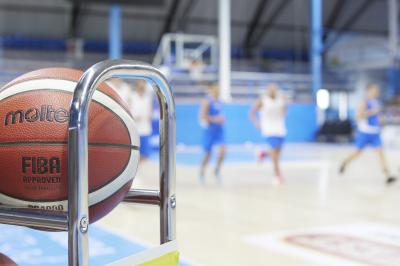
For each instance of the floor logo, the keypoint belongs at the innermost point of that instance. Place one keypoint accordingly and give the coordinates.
(342, 245)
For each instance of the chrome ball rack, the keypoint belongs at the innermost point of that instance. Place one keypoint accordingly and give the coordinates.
(76, 220)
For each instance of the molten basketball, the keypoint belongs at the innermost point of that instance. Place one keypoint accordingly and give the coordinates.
(34, 113)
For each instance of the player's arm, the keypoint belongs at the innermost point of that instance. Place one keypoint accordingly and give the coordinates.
(253, 113)
(150, 118)
(136, 118)
(218, 119)
(140, 116)
(363, 112)
(373, 111)
(203, 114)
(382, 117)
(284, 107)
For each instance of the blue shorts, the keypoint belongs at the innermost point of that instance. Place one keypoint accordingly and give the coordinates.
(275, 142)
(213, 136)
(365, 139)
(145, 148)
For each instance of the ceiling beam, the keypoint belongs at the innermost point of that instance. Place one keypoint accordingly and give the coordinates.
(267, 25)
(138, 3)
(185, 14)
(169, 18)
(32, 8)
(131, 15)
(349, 23)
(262, 4)
(75, 18)
(335, 13)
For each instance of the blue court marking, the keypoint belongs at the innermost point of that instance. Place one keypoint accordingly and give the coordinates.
(28, 247)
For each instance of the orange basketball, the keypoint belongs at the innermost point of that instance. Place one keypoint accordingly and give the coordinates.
(34, 113)
(6, 261)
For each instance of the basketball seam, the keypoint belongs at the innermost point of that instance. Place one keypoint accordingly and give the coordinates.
(97, 203)
(66, 199)
(11, 83)
(59, 143)
(67, 92)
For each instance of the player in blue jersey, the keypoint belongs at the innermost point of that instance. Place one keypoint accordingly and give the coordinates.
(212, 120)
(369, 131)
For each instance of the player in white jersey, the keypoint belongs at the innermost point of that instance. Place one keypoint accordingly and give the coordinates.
(140, 101)
(271, 109)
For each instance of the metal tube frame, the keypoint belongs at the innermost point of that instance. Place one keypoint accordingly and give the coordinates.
(77, 220)
(224, 37)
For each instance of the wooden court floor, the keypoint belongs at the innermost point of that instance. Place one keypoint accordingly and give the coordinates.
(316, 218)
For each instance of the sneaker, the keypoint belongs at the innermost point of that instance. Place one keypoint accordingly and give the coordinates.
(202, 177)
(390, 180)
(342, 168)
(278, 181)
(217, 175)
(260, 156)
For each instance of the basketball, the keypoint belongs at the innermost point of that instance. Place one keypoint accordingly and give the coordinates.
(6, 261)
(34, 110)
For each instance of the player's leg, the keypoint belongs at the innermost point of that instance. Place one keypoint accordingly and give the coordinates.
(275, 144)
(279, 172)
(207, 147)
(220, 160)
(144, 148)
(382, 160)
(220, 139)
(360, 143)
(377, 144)
(275, 161)
(261, 155)
(203, 166)
(349, 159)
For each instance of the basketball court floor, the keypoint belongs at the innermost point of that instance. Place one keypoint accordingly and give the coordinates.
(316, 218)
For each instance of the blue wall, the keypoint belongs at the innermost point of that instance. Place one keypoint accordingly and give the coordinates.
(301, 124)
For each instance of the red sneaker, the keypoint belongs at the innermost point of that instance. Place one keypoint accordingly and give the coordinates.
(260, 156)
(278, 180)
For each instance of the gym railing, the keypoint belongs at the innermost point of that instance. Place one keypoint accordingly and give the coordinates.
(76, 221)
